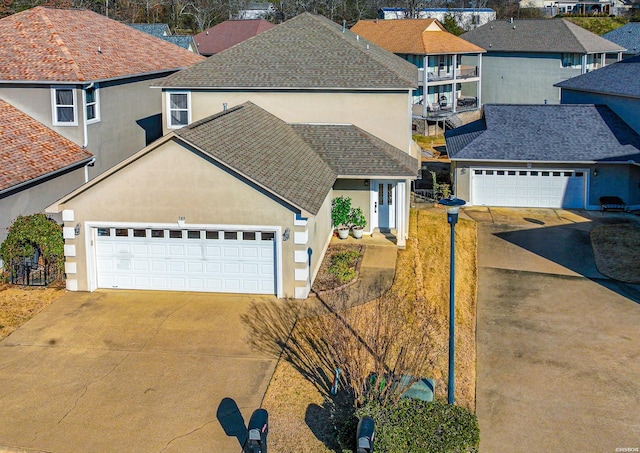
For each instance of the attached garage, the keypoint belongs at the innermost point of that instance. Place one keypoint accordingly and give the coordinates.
(546, 188)
(217, 259)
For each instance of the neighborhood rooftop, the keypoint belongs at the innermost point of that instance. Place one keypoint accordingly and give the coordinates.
(538, 35)
(30, 150)
(413, 36)
(627, 36)
(619, 79)
(546, 133)
(307, 51)
(229, 33)
(77, 45)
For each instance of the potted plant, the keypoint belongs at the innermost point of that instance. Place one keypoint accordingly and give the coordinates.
(358, 222)
(340, 215)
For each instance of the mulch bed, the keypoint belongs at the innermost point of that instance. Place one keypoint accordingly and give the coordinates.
(326, 281)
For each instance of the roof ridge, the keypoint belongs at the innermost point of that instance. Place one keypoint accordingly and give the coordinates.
(572, 32)
(61, 45)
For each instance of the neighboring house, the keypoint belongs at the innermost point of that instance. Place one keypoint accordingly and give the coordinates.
(547, 156)
(525, 58)
(87, 78)
(256, 11)
(466, 18)
(229, 33)
(163, 32)
(444, 84)
(237, 202)
(38, 166)
(243, 189)
(616, 86)
(627, 36)
(555, 7)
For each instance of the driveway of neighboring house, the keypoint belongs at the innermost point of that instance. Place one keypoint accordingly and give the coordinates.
(131, 371)
(558, 342)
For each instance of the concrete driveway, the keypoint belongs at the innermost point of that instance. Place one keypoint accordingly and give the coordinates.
(131, 371)
(558, 343)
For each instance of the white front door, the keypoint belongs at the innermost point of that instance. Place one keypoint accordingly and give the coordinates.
(384, 204)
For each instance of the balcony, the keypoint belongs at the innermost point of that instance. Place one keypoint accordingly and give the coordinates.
(446, 74)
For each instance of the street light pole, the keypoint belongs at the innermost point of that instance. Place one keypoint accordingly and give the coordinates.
(452, 205)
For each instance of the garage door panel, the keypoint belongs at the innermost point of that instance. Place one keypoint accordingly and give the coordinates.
(528, 188)
(186, 260)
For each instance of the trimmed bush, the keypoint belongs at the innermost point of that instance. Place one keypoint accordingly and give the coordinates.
(421, 427)
(343, 265)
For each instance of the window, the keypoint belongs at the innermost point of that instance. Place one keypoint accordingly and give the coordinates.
(193, 234)
(91, 105)
(231, 235)
(64, 107)
(139, 233)
(249, 236)
(104, 232)
(571, 60)
(122, 232)
(175, 234)
(157, 234)
(267, 236)
(179, 111)
(212, 235)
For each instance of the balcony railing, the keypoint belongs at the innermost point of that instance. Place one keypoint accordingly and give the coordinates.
(440, 74)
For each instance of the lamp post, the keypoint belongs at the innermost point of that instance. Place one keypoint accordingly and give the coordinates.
(452, 204)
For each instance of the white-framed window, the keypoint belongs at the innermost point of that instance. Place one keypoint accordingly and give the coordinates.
(178, 109)
(92, 104)
(63, 102)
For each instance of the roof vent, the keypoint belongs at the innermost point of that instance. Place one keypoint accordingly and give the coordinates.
(99, 49)
(511, 20)
(367, 46)
(344, 26)
(357, 37)
(514, 27)
(207, 32)
(490, 44)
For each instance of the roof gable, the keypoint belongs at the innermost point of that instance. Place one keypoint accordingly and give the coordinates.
(229, 33)
(619, 79)
(546, 133)
(413, 36)
(29, 149)
(539, 36)
(77, 45)
(306, 51)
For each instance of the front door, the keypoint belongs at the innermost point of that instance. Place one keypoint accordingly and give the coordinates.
(385, 204)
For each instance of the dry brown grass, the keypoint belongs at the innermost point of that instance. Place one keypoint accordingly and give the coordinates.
(616, 249)
(296, 399)
(20, 304)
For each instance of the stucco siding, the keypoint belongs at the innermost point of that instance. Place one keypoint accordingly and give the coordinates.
(36, 198)
(359, 191)
(320, 232)
(172, 182)
(511, 78)
(626, 108)
(385, 115)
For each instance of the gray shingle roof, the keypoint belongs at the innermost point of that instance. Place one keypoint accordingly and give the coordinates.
(351, 151)
(620, 79)
(157, 30)
(627, 36)
(306, 51)
(545, 133)
(538, 35)
(266, 150)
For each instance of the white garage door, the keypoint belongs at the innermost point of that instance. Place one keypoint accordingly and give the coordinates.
(186, 260)
(528, 188)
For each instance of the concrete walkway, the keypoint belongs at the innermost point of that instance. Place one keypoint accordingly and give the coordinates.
(558, 343)
(131, 371)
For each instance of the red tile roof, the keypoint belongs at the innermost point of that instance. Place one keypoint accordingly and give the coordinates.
(29, 149)
(69, 45)
(229, 33)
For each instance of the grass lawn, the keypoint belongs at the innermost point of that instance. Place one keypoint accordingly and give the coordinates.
(599, 25)
(19, 304)
(297, 397)
(616, 250)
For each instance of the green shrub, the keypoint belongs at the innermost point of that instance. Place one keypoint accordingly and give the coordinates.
(30, 232)
(340, 211)
(421, 427)
(343, 265)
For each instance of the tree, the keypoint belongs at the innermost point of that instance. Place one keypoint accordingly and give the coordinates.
(451, 25)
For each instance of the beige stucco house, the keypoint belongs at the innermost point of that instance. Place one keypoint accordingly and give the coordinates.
(236, 202)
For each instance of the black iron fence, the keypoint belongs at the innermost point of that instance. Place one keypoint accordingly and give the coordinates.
(33, 272)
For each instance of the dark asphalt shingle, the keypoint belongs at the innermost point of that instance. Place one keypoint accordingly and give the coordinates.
(545, 133)
(619, 79)
(539, 36)
(627, 36)
(307, 51)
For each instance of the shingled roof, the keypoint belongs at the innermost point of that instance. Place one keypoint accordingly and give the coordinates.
(264, 149)
(30, 150)
(77, 45)
(307, 51)
(413, 36)
(229, 33)
(353, 152)
(619, 79)
(627, 36)
(538, 35)
(545, 133)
